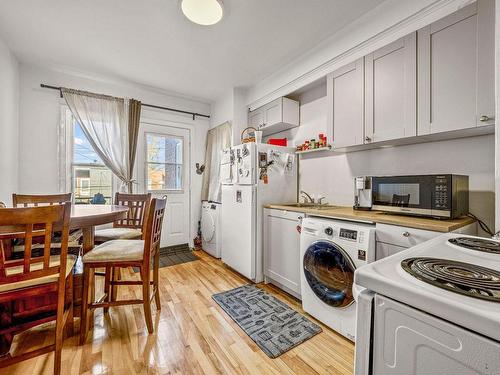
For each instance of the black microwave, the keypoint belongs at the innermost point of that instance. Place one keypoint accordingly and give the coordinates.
(444, 196)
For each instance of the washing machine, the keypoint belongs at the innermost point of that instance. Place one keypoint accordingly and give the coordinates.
(330, 252)
(210, 228)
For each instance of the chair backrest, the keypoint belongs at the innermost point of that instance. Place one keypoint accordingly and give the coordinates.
(152, 235)
(138, 205)
(39, 200)
(28, 223)
(400, 200)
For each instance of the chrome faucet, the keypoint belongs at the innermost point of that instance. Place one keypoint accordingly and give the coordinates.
(306, 197)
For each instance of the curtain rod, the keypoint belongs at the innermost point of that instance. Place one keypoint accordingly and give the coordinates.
(194, 114)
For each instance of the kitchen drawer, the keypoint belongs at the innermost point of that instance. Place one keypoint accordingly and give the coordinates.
(284, 214)
(403, 236)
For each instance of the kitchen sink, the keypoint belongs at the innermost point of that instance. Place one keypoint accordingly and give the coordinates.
(311, 205)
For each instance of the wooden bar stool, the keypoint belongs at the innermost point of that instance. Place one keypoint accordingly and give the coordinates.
(133, 226)
(122, 254)
(130, 228)
(37, 275)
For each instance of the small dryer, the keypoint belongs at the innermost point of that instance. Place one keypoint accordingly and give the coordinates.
(210, 228)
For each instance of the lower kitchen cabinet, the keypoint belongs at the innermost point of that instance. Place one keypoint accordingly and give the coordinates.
(392, 239)
(282, 249)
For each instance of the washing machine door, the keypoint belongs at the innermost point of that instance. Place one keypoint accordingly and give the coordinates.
(329, 271)
(207, 226)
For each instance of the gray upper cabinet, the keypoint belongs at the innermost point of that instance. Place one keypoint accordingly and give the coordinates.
(456, 70)
(345, 92)
(390, 91)
(276, 116)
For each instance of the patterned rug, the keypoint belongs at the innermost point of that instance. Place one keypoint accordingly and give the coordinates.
(274, 326)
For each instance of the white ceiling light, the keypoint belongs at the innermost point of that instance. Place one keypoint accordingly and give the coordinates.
(202, 12)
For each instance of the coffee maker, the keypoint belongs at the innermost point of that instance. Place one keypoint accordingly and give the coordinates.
(363, 193)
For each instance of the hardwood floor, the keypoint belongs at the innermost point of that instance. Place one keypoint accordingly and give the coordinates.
(193, 335)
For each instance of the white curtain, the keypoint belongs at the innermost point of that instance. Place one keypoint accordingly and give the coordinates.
(218, 139)
(104, 121)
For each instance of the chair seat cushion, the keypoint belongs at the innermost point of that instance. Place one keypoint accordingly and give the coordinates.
(54, 261)
(109, 234)
(115, 251)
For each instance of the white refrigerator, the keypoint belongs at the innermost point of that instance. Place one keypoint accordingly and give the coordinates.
(252, 175)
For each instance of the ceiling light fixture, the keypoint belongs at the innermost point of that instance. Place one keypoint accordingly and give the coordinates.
(203, 12)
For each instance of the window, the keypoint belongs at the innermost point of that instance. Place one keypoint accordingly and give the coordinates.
(91, 180)
(164, 162)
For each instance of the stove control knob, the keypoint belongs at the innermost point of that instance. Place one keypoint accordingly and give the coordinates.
(328, 231)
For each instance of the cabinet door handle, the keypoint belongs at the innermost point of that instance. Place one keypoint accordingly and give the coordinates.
(368, 139)
(406, 234)
(484, 118)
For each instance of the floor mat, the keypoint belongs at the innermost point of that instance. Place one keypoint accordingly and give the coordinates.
(273, 325)
(173, 255)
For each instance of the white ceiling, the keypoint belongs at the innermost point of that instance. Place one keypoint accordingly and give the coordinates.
(150, 41)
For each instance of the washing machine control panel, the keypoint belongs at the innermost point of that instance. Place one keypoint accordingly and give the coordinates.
(348, 234)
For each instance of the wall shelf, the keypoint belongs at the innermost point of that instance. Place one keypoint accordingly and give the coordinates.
(326, 148)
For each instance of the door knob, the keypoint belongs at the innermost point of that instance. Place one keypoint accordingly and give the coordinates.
(484, 118)
(368, 139)
(406, 234)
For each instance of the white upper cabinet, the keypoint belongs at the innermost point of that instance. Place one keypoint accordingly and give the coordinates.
(345, 93)
(390, 91)
(456, 70)
(273, 112)
(255, 118)
(276, 116)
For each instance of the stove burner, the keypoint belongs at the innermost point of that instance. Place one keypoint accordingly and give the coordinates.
(463, 278)
(478, 244)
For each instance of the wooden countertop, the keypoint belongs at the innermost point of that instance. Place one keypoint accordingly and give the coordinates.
(349, 213)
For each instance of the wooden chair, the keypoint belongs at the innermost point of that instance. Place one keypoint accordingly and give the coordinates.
(117, 254)
(134, 225)
(33, 276)
(30, 200)
(39, 200)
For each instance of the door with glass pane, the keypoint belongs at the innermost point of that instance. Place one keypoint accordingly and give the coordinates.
(163, 169)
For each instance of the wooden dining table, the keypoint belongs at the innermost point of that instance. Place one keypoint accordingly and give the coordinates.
(86, 218)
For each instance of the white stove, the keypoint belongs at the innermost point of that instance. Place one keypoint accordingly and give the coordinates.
(431, 309)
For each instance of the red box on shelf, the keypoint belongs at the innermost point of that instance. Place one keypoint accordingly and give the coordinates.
(278, 141)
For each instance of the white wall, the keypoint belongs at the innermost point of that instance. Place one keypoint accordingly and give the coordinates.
(222, 109)
(40, 116)
(331, 174)
(231, 107)
(9, 122)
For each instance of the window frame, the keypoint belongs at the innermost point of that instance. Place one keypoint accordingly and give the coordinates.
(65, 155)
(146, 163)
